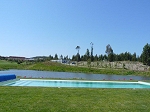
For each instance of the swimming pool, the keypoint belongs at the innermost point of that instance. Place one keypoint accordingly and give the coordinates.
(77, 83)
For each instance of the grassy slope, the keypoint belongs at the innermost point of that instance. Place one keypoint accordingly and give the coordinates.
(48, 66)
(51, 66)
(26, 99)
(7, 65)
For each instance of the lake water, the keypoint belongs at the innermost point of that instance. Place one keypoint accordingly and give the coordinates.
(68, 75)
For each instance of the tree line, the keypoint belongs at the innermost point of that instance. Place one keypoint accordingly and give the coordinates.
(109, 56)
(127, 56)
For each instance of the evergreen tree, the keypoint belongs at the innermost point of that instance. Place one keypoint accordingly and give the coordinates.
(146, 55)
(82, 58)
(105, 57)
(50, 57)
(87, 54)
(56, 57)
(73, 58)
(101, 58)
(134, 57)
(96, 58)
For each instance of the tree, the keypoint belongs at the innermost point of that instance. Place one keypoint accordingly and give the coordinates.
(56, 57)
(96, 58)
(92, 58)
(134, 57)
(101, 57)
(78, 48)
(146, 55)
(87, 54)
(111, 57)
(109, 52)
(50, 57)
(105, 57)
(73, 58)
(78, 55)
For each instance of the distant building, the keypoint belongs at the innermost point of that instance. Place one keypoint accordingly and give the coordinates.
(16, 58)
(61, 61)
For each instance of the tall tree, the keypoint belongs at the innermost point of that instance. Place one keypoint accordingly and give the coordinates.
(78, 48)
(92, 57)
(87, 54)
(109, 52)
(78, 55)
(146, 55)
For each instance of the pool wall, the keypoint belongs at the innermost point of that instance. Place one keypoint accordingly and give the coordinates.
(7, 77)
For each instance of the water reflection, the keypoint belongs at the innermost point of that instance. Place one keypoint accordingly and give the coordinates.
(68, 75)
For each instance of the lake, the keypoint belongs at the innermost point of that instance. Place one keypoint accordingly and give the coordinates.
(68, 75)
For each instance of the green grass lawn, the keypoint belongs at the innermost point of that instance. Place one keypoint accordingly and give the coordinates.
(4, 62)
(7, 65)
(40, 99)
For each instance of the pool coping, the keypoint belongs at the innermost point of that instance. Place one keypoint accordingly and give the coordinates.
(80, 80)
(145, 83)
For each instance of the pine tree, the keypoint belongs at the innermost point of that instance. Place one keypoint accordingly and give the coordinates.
(146, 55)
(87, 54)
(56, 57)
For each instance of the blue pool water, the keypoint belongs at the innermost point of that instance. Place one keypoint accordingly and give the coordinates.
(77, 83)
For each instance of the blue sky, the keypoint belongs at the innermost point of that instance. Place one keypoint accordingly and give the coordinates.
(46, 27)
